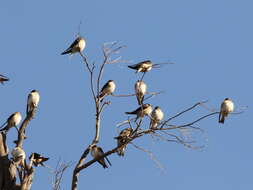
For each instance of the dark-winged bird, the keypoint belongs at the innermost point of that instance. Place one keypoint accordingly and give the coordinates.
(123, 137)
(32, 101)
(38, 159)
(227, 106)
(143, 66)
(18, 155)
(107, 89)
(12, 121)
(140, 90)
(141, 111)
(3, 79)
(77, 46)
(97, 151)
(156, 117)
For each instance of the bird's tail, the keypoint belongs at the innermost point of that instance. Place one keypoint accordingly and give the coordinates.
(3, 125)
(102, 162)
(101, 96)
(108, 161)
(131, 66)
(140, 99)
(66, 52)
(130, 113)
(5, 129)
(221, 118)
(153, 124)
(121, 151)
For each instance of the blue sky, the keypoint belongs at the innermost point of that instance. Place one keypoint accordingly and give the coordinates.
(209, 40)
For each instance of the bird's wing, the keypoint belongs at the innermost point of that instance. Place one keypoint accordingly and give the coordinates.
(104, 87)
(74, 43)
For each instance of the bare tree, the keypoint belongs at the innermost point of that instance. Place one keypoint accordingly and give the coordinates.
(17, 167)
(165, 130)
(16, 173)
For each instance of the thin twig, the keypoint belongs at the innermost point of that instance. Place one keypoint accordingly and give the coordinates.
(152, 156)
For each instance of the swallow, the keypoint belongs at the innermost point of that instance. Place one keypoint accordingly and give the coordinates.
(38, 159)
(140, 90)
(107, 89)
(32, 101)
(18, 155)
(227, 106)
(77, 46)
(156, 116)
(97, 151)
(143, 66)
(141, 111)
(3, 79)
(123, 137)
(12, 121)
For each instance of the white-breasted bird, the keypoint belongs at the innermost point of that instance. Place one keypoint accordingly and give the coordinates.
(32, 101)
(12, 121)
(107, 89)
(141, 111)
(123, 137)
(77, 46)
(140, 90)
(97, 151)
(227, 106)
(143, 66)
(156, 116)
(18, 155)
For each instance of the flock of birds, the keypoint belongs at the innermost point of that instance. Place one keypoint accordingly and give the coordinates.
(18, 154)
(156, 115)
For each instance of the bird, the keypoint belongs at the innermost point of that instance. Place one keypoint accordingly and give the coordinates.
(37, 159)
(107, 89)
(13, 120)
(140, 90)
(143, 66)
(227, 106)
(3, 79)
(97, 151)
(18, 155)
(32, 101)
(141, 111)
(77, 46)
(123, 137)
(156, 116)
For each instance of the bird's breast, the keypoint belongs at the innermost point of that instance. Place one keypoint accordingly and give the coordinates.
(82, 44)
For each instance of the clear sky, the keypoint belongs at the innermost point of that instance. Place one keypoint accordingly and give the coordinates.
(210, 42)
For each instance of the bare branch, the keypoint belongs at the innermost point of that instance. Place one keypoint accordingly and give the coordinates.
(21, 131)
(177, 115)
(152, 156)
(77, 168)
(61, 167)
(91, 71)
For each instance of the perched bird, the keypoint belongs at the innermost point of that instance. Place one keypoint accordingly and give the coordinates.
(123, 137)
(3, 79)
(140, 90)
(107, 89)
(97, 151)
(32, 101)
(77, 46)
(156, 117)
(143, 66)
(18, 155)
(227, 106)
(141, 111)
(38, 159)
(12, 121)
